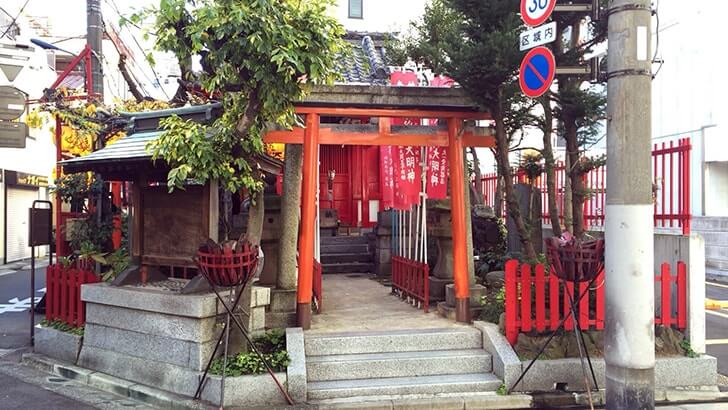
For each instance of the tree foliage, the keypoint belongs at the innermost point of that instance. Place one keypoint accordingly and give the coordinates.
(258, 57)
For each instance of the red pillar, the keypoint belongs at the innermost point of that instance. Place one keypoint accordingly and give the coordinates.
(459, 230)
(116, 200)
(308, 216)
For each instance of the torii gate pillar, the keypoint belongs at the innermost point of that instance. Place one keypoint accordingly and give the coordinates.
(459, 229)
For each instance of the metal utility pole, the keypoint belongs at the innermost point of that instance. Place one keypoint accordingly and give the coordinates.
(630, 336)
(94, 37)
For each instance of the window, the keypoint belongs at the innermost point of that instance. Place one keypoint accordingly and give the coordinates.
(356, 9)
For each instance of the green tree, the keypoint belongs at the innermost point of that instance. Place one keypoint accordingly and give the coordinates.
(478, 48)
(579, 107)
(259, 57)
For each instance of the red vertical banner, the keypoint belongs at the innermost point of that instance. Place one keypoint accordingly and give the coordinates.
(437, 170)
(408, 177)
(386, 168)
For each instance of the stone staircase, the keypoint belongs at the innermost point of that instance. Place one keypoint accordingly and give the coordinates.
(346, 254)
(379, 365)
(715, 232)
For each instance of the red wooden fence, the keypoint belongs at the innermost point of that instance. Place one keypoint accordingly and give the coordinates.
(671, 176)
(411, 279)
(63, 294)
(537, 302)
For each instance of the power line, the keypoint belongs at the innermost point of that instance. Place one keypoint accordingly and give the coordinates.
(113, 5)
(12, 23)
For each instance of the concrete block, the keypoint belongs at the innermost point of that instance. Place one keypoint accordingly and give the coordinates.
(59, 345)
(282, 300)
(145, 371)
(685, 371)
(384, 241)
(495, 401)
(413, 340)
(151, 396)
(150, 300)
(383, 269)
(39, 362)
(437, 288)
(447, 311)
(383, 255)
(157, 324)
(72, 372)
(296, 371)
(670, 372)
(254, 320)
(476, 292)
(506, 364)
(163, 349)
(399, 364)
(280, 320)
(259, 296)
(246, 391)
(110, 384)
(439, 403)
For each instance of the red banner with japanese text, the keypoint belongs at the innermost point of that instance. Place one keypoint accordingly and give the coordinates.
(408, 177)
(386, 169)
(437, 172)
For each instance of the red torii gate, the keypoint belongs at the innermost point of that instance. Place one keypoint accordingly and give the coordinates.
(384, 103)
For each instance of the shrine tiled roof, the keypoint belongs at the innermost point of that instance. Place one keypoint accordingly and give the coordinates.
(366, 62)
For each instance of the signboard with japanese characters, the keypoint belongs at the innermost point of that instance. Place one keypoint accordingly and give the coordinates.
(538, 36)
(437, 172)
(386, 172)
(408, 177)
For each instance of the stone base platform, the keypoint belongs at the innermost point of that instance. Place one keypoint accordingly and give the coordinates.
(156, 336)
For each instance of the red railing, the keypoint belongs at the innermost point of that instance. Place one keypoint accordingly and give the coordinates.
(318, 285)
(410, 279)
(671, 178)
(536, 302)
(63, 293)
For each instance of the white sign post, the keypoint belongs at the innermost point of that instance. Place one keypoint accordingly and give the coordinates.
(538, 36)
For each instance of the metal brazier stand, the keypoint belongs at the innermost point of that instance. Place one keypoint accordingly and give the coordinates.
(231, 265)
(573, 261)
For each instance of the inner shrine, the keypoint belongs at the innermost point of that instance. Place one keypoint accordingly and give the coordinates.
(371, 148)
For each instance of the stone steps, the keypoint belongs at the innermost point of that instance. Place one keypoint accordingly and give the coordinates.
(328, 259)
(331, 249)
(459, 383)
(334, 240)
(397, 364)
(352, 267)
(393, 341)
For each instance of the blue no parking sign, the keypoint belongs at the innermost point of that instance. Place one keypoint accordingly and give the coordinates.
(537, 72)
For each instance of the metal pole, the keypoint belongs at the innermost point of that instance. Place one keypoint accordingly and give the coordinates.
(32, 294)
(630, 337)
(94, 36)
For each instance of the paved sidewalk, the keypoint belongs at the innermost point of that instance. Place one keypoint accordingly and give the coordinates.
(27, 388)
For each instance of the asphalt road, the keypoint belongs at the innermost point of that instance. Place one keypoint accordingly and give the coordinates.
(716, 325)
(15, 307)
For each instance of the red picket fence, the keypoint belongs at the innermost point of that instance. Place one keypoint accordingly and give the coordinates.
(671, 176)
(537, 302)
(411, 279)
(318, 286)
(63, 293)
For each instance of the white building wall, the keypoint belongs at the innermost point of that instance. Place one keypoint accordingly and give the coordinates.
(687, 95)
(381, 15)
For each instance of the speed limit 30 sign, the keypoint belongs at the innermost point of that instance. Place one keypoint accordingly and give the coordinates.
(536, 12)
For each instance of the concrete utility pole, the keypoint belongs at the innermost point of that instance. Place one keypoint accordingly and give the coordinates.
(630, 336)
(94, 37)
